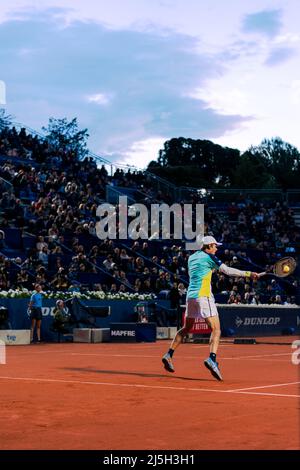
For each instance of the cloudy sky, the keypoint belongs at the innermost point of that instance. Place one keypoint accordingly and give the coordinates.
(138, 72)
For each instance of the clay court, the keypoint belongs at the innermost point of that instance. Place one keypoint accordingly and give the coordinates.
(114, 396)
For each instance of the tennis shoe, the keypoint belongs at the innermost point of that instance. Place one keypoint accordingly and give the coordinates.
(167, 362)
(213, 367)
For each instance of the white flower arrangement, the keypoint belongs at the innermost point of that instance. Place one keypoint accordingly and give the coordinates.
(89, 295)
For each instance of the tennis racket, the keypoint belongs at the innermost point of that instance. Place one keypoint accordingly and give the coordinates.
(282, 268)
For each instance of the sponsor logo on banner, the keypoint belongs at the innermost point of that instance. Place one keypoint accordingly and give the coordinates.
(238, 321)
(257, 321)
(199, 326)
(122, 333)
(14, 337)
(47, 311)
(11, 338)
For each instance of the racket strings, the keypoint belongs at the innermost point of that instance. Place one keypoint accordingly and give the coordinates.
(285, 267)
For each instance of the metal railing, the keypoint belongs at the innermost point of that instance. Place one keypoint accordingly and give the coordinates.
(154, 264)
(232, 195)
(6, 186)
(162, 185)
(19, 125)
(113, 194)
(293, 197)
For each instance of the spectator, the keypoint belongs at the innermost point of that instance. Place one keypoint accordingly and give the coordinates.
(256, 300)
(109, 263)
(2, 240)
(113, 289)
(182, 293)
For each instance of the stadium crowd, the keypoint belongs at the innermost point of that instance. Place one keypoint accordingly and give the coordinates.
(48, 205)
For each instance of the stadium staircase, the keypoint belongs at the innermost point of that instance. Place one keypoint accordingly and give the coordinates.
(297, 216)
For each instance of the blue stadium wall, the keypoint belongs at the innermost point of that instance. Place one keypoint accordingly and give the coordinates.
(235, 320)
(121, 311)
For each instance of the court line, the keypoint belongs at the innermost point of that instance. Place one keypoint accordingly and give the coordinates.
(269, 394)
(252, 358)
(180, 357)
(262, 359)
(35, 350)
(70, 353)
(264, 386)
(113, 355)
(155, 387)
(258, 355)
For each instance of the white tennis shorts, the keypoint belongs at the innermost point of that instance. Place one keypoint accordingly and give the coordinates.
(203, 307)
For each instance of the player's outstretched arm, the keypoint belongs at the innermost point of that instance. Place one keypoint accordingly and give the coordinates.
(237, 272)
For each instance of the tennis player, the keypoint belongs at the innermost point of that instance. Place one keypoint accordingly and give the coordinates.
(201, 303)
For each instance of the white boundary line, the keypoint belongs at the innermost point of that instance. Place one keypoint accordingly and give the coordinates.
(107, 354)
(264, 386)
(69, 353)
(155, 387)
(250, 358)
(269, 394)
(39, 349)
(258, 355)
(261, 359)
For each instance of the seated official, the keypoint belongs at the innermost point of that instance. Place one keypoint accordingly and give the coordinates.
(62, 317)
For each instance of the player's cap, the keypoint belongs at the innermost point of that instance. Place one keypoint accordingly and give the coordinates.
(209, 240)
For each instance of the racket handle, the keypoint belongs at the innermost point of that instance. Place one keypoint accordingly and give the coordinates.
(261, 274)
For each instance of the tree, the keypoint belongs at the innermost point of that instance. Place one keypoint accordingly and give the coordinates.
(62, 134)
(200, 163)
(5, 120)
(281, 159)
(203, 164)
(251, 173)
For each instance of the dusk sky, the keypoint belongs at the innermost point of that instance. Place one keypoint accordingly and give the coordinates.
(138, 72)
